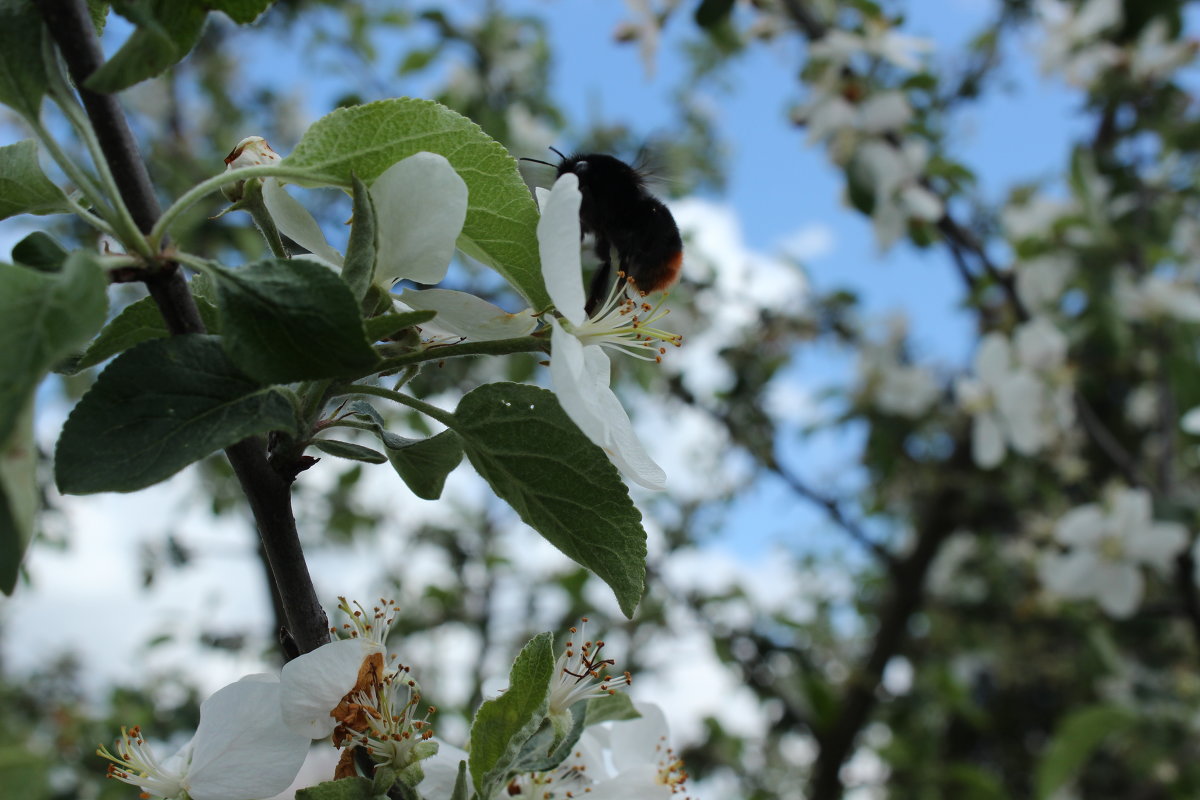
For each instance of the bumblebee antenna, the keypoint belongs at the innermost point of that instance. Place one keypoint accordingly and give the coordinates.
(538, 161)
(558, 153)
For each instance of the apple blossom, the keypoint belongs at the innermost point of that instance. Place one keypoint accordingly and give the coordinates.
(579, 367)
(631, 758)
(1006, 402)
(580, 674)
(242, 749)
(425, 203)
(253, 151)
(1106, 548)
(316, 684)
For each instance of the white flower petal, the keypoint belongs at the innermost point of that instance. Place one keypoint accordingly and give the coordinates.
(1040, 344)
(242, 748)
(580, 378)
(1082, 526)
(987, 441)
(1191, 422)
(1159, 545)
(1120, 591)
(471, 317)
(421, 203)
(641, 782)
(441, 771)
(558, 243)
(314, 683)
(637, 741)
(294, 222)
(993, 359)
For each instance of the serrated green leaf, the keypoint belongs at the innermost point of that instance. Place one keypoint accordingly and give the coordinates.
(138, 322)
(547, 748)
(1076, 738)
(358, 268)
(22, 74)
(19, 497)
(290, 320)
(159, 407)
(423, 464)
(39, 251)
(500, 228)
(240, 11)
(24, 188)
(353, 788)
(385, 325)
(563, 486)
(44, 317)
(166, 31)
(503, 725)
(350, 450)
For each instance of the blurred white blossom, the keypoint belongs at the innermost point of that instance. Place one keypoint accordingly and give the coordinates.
(1073, 45)
(1106, 549)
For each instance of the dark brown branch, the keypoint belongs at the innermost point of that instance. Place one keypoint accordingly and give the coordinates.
(803, 16)
(269, 492)
(937, 520)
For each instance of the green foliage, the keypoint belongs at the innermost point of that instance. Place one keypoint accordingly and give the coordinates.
(19, 496)
(159, 407)
(39, 251)
(423, 464)
(350, 451)
(354, 788)
(503, 725)
(138, 322)
(1075, 739)
(358, 269)
(23, 80)
(563, 486)
(290, 320)
(24, 188)
(43, 319)
(166, 31)
(363, 141)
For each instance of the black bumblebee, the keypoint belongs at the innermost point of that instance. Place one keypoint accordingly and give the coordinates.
(623, 215)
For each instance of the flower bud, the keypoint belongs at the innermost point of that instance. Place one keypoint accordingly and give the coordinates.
(252, 151)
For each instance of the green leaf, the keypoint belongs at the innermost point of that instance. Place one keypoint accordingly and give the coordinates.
(22, 74)
(242, 12)
(503, 725)
(138, 322)
(350, 450)
(1077, 737)
(500, 228)
(166, 31)
(423, 464)
(549, 747)
(563, 486)
(616, 707)
(19, 497)
(44, 318)
(460, 783)
(157, 408)
(290, 320)
(385, 325)
(24, 188)
(354, 788)
(39, 251)
(711, 13)
(358, 268)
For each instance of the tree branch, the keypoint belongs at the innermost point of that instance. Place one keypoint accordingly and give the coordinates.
(268, 492)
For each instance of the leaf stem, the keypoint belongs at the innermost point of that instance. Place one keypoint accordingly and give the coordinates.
(495, 347)
(213, 184)
(441, 415)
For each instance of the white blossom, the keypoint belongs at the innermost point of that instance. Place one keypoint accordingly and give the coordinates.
(1156, 297)
(1106, 549)
(1073, 44)
(241, 750)
(422, 202)
(895, 174)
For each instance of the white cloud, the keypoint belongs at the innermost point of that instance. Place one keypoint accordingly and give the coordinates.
(809, 242)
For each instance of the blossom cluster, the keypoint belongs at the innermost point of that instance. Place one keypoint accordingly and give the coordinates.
(254, 734)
